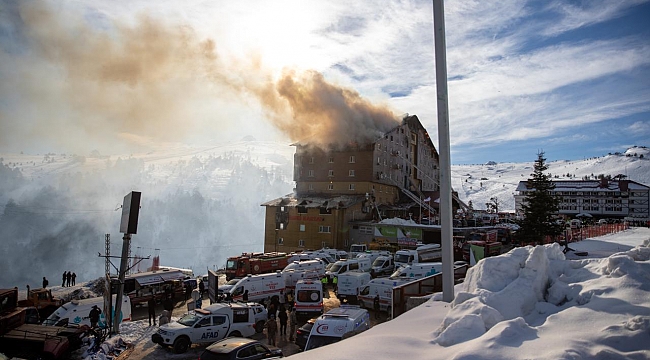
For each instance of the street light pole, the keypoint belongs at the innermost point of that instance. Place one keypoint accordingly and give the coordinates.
(445, 155)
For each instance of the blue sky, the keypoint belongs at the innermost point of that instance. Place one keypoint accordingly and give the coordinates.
(571, 78)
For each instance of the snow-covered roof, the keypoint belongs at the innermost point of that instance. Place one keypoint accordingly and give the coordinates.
(589, 185)
(316, 201)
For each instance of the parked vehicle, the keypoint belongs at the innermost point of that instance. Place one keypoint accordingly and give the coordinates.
(42, 300)
(255, 263)
(373, 254)
(302, 334)
(215, 322)
(140, 287)
(343, 266)
(76, 312)
(332, 253)
(356, 249)
(416, 271)
(349, 285)
(238, 348)
(260, 287)
(334, 324)
(292, 276)
(309, 265)
(382, 266)
(260, 314)
(382, 287)
(222, 289)
(484, 249)
(423, 253)
(309, 298)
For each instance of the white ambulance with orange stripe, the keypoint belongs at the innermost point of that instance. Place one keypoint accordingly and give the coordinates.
(260, 287)
(309, 298)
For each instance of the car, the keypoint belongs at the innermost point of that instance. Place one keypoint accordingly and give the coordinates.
(303, 333)
(261, 315)
(239, 348)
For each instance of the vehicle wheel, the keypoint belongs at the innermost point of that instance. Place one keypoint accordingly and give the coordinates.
(181, 345)
(235, 334)
(259, 327)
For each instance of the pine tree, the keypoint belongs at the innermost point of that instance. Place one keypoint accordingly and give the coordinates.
(539, 206)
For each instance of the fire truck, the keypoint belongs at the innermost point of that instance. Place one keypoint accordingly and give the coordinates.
(255, 263)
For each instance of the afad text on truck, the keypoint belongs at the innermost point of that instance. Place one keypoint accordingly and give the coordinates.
(255, 263)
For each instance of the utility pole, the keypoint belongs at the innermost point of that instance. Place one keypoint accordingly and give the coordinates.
(446, 221)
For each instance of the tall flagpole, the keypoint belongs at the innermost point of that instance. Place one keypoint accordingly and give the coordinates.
(445, 155)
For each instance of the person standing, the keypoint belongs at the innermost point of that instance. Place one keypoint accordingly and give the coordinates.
(281, 300)
(335, 283)
(45, 282)
(271, 328)
(68, 279)
(74, 278)
(94, 316)
(202, 288)
(376, 306)
(151, 307)
(293, 321)
(65, 276)
(282, 316)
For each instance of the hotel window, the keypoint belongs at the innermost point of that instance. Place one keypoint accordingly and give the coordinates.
(351, 187)
(330, 186)
(331, 160)
(324, 229)
(311, 187)
(301, 243)
(302, 227)
(301, 209)
(330, 173)
(311, 160)
(310, 173)
(352, 159)
(280, 241)
(351, 173)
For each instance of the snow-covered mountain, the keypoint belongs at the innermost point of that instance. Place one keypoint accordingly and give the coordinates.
(199, 204)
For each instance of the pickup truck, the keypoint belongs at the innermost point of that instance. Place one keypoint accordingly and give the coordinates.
(215, 322)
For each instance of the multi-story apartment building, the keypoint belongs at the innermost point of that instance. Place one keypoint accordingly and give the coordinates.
(617, 199)
(339, 185)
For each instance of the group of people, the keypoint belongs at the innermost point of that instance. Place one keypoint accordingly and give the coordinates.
(333, 281)
(277, 309)
(69, 279)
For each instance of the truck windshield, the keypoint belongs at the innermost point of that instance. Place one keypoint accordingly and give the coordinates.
(188, 319)
(378, 263)
(335, 268)
(231, 264)
(401, 258)
(316, 341)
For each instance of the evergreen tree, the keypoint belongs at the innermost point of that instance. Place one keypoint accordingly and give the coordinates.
(539, 206)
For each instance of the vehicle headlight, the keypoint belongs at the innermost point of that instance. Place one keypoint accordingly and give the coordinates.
(163, 332)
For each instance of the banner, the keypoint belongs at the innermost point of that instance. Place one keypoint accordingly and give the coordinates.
(399, 233)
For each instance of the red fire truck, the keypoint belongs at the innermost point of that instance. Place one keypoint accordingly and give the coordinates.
(255, 263)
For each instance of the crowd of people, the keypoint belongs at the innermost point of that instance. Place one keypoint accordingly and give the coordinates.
(280, 308)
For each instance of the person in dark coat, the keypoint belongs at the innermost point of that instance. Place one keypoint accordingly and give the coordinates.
(45, 282)
(202, 288)
(68, 279)
(168, 304)
(94, 316)
(188, 292)
(376, 307)
(65, 276)
(282, 316)
(151, 307)
(74, 278)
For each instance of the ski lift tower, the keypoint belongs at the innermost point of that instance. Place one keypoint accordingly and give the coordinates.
(128, 226)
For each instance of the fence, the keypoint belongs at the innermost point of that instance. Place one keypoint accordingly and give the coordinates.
(585, 232)
(421, 287)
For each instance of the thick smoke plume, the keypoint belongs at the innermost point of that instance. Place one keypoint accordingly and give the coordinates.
(109, 81)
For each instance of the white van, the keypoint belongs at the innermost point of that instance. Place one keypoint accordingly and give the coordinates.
(343, 266)
(208, 325)
(373, 254)
(383, 265)
(309, 265)
(349, 285)
(309, 298)
(291, 277)
(334, 324)
(260, 287)
(76, 312)
(417, 271)
(382, 287)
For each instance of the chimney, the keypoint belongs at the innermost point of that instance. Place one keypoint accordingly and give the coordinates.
(624, 185)
(604, 182)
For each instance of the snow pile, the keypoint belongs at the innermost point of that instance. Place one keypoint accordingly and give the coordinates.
(398, 221)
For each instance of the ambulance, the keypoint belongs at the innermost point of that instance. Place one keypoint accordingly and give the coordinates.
(332, 326)
(76, 312)
(349, 284)
(382, 287)
(260, 287)
(417, 271)
(308, 265)
(309, 298)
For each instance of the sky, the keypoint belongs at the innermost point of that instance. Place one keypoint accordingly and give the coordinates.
(570, 78)
(531, 303)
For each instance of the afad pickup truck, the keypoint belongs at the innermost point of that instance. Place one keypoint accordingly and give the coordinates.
(208, 325)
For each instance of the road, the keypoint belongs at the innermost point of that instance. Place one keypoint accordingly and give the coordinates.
(145, 349)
